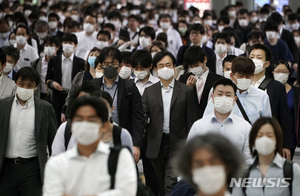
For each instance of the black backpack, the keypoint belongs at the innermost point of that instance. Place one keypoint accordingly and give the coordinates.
(142, 190)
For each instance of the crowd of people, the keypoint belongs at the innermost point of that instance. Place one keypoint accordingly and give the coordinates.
(90, 93)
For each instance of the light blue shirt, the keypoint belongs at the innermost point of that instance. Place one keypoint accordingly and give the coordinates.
(255, 102)
(167, 97)
(235, 128)
(113, 91)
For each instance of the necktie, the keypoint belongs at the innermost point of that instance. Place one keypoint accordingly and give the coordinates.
(199, 85)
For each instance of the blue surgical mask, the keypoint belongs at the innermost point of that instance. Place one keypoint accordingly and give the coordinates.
(91, 61)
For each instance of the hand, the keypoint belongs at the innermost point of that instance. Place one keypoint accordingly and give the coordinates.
(63, 117)
(191, 81)
(295, 66)
(286, 153)
(136, 153)
(57, 86)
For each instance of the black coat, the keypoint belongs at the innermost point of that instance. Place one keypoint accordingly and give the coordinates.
(288, 37)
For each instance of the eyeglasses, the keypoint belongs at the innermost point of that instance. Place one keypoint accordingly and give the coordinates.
(280, 71)
(106, 64)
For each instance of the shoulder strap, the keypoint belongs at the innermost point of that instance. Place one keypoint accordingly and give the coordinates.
(36, 63)
(67, 134)
(242, 110)
(288, 173)
(117, 135)
(112, 164)
(247, 174)
(264, 85)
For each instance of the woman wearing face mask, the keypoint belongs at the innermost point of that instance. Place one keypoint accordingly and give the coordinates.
(207, 164)
(269, 167)
(183, 30)
(281, 74)
(83, 77)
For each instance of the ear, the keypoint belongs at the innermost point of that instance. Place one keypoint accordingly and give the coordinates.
(266, 64)
(235, 98)
(232, 76)
(155, 69)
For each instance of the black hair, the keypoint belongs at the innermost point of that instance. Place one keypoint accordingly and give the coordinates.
(104, 33)
(224, 36)
(105, 95)
(194, 54)
(24, 27)
(51, 15)
(137, 18)
(148, 31)
(256, 35)
(69, 37)
(262, 47)
(115, 14)
(96, 103)
(41, 23)
(293, 17)
(243, 11)
(164, 16)
(13, 52)
(271, 25)
(197, 27)
(112, 52)
(28, 73)
(73, 24)
(276, 17)
(89, 88)
(162, 37)
(243, 65)
(2, 57)
(159, 56)
(109, 25)
(224, 19)
(282, 62)
(89, 13)
(228, 58)
(141, 58)
(52, 40)
(126, 57)
(225, 82)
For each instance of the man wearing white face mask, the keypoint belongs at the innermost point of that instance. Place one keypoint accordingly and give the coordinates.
(12, 57)
(87, 39)
(222, 121)
(53, 21)
(170, 111)
(4, 33)
(146, 36)
(41, 29)
(242, 27)
(126, 68)
(27, 53)
(31, 122)
(115, 18)
(84, 169)
(7, 86)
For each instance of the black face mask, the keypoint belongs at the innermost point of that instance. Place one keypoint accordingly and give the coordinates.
(111, 72)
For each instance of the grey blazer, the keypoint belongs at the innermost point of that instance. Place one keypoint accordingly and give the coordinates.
(7, 87)
(45, 129)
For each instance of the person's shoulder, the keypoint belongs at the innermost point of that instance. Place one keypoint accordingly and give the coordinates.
(296, 170)
(6, 100)
(214, 75)
(277, 85)
(43, 103)
(79, 59)
(240, 122)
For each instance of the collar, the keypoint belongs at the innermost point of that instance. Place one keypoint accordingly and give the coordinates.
(101, 148)
(71, 57)
(116, 80)
(215, 119)
(201, 45)
(278, 160)
(44, 59)
(53, 32)
(171, 85)
(151, 79)
(219, 58)
(246, 91)
(25, 47)
(259, 81)
(29, 102)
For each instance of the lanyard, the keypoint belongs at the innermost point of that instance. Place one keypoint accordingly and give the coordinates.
(114, 92)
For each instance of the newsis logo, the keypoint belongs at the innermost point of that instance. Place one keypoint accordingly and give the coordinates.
(260, 182)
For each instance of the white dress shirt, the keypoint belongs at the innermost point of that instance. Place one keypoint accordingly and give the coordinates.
(134, 36)
(85, 43)
(257, 83)
(21, 136)
(27, 55)
(1, 78)
(174, 40)
(255, 102)
(203, 79)
(66, 70)
(235, 128)
(142, 86)
(71, 173)
(219, 67)
(166, 98)
(44, 68)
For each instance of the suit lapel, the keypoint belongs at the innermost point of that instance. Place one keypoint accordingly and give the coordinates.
(38, 107)
(121, 86)
(176, 92)
(207, 85)
(158, 95)
(74, 67)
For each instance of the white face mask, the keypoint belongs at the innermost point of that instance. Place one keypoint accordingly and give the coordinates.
(88, 28)
(99, 74)
(227, 74)
(220, 48)
(265, 145)
(166, 73)
(141, 74)
(259, 66)
(243, 84)
(254, 19)
(297, 40)
(197, 71)
(232, 13)
(243, 22)
(68, 48)
(116, 23)
(21, 39)
(49, 51)
(41, 35)
(165, 25)
(101, 44)
(220, 28)
(12, 41)
(86, 133)
(43, 18)
(281, 77)
(197, 22)
(100, 20)
(74, 17)
(153, 54)
(52, 24)
(24, 94)
(294, 26)
(8, 68)
(144, 42)
(208, 22)
(204, 39)
(223, 104)
(125, 72)
(210, 179)
(271, 35)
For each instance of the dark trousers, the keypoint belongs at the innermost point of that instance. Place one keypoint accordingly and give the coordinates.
(21, 179)
(165, 173)
(58, 101)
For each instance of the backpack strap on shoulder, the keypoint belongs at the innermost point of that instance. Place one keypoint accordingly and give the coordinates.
(288, 173)
(112, 164)
(67, 134)
(117, 135)
(264, 85)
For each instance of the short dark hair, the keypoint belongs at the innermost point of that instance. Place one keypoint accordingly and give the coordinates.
(96, 103)
(137, 18)
(13, 52)
(141, 58)
(52, 40)
(282, 62)
(228, 58)
(163, 37)
(53, 15)
(112, 52)
(256, 35)
(2, 57)
(271, 25)
(197, 27)
(224, 36)
(28, 73)
(126, 57)
(218, 145)
(242, 64)
(243, 11)
(115, 14)
(194, 54)
(148, 31)
(276, 17)
(293, 17)
(159, 56)
(159, 44)
(109, 25)
(41, 23)
(164, 16)
(262, 47)
(105, 95)
(257, 126)
(103, 32)
(69, 37)
(73, 24)
(224, 19)
(24, 27)
(225, 82)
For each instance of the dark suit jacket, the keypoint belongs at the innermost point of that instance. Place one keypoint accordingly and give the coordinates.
(183, 49)
(211, 63)
(280, 111)
(44, 127)
(124, 33)
(288, 37)
(296, 113)
(211, 79)
(130, 110)
(182, 116)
